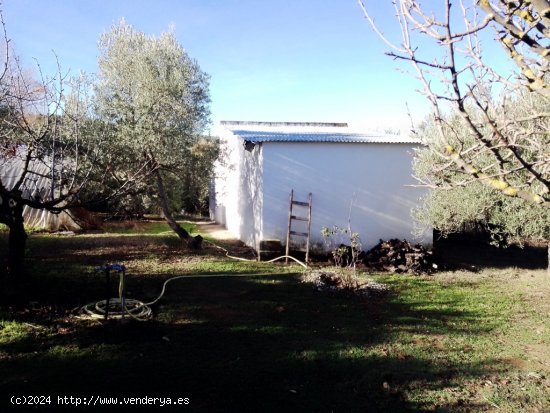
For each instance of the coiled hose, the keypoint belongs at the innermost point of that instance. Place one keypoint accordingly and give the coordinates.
(118, 308)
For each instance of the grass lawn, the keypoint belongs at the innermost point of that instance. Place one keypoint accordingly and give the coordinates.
(265, 342)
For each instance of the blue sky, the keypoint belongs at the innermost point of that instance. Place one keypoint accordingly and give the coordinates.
(283, 60)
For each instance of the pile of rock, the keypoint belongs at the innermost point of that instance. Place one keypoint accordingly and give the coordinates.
(400, 256)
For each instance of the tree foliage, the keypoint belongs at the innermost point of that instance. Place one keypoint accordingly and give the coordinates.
(156, 98)
(193, 185)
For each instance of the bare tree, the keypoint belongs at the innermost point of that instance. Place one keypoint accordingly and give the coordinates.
(55, 153)
(489, 124)
(457, 76)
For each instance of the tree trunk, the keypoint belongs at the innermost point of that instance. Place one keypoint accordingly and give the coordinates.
(16, 250)
(17, 238)
(192, 242)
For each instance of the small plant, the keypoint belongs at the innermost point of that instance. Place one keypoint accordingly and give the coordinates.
(346, 256)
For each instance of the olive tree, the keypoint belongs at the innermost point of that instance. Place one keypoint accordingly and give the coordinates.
(190, 190)
(488, 129)
(156, 98)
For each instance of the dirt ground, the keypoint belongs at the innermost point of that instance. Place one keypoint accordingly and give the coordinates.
(214, 229)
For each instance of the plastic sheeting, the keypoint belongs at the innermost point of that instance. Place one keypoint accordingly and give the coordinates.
(37, 185)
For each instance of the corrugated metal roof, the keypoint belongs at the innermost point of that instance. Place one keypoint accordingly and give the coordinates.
(280, 124)
(310, 132)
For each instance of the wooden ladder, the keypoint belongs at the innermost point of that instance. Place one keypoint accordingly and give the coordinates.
(293, 217)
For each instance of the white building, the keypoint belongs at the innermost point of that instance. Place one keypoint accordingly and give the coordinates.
(264, 161)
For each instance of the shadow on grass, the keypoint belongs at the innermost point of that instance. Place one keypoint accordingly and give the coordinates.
(470, 253)
(263, 344)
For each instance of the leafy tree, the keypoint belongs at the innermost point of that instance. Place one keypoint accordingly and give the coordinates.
(186, 191)
(157, 100)
(194, 184)
(488, 132)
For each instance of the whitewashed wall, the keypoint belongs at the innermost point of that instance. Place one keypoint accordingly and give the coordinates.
(374, 176)
(236, 190)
